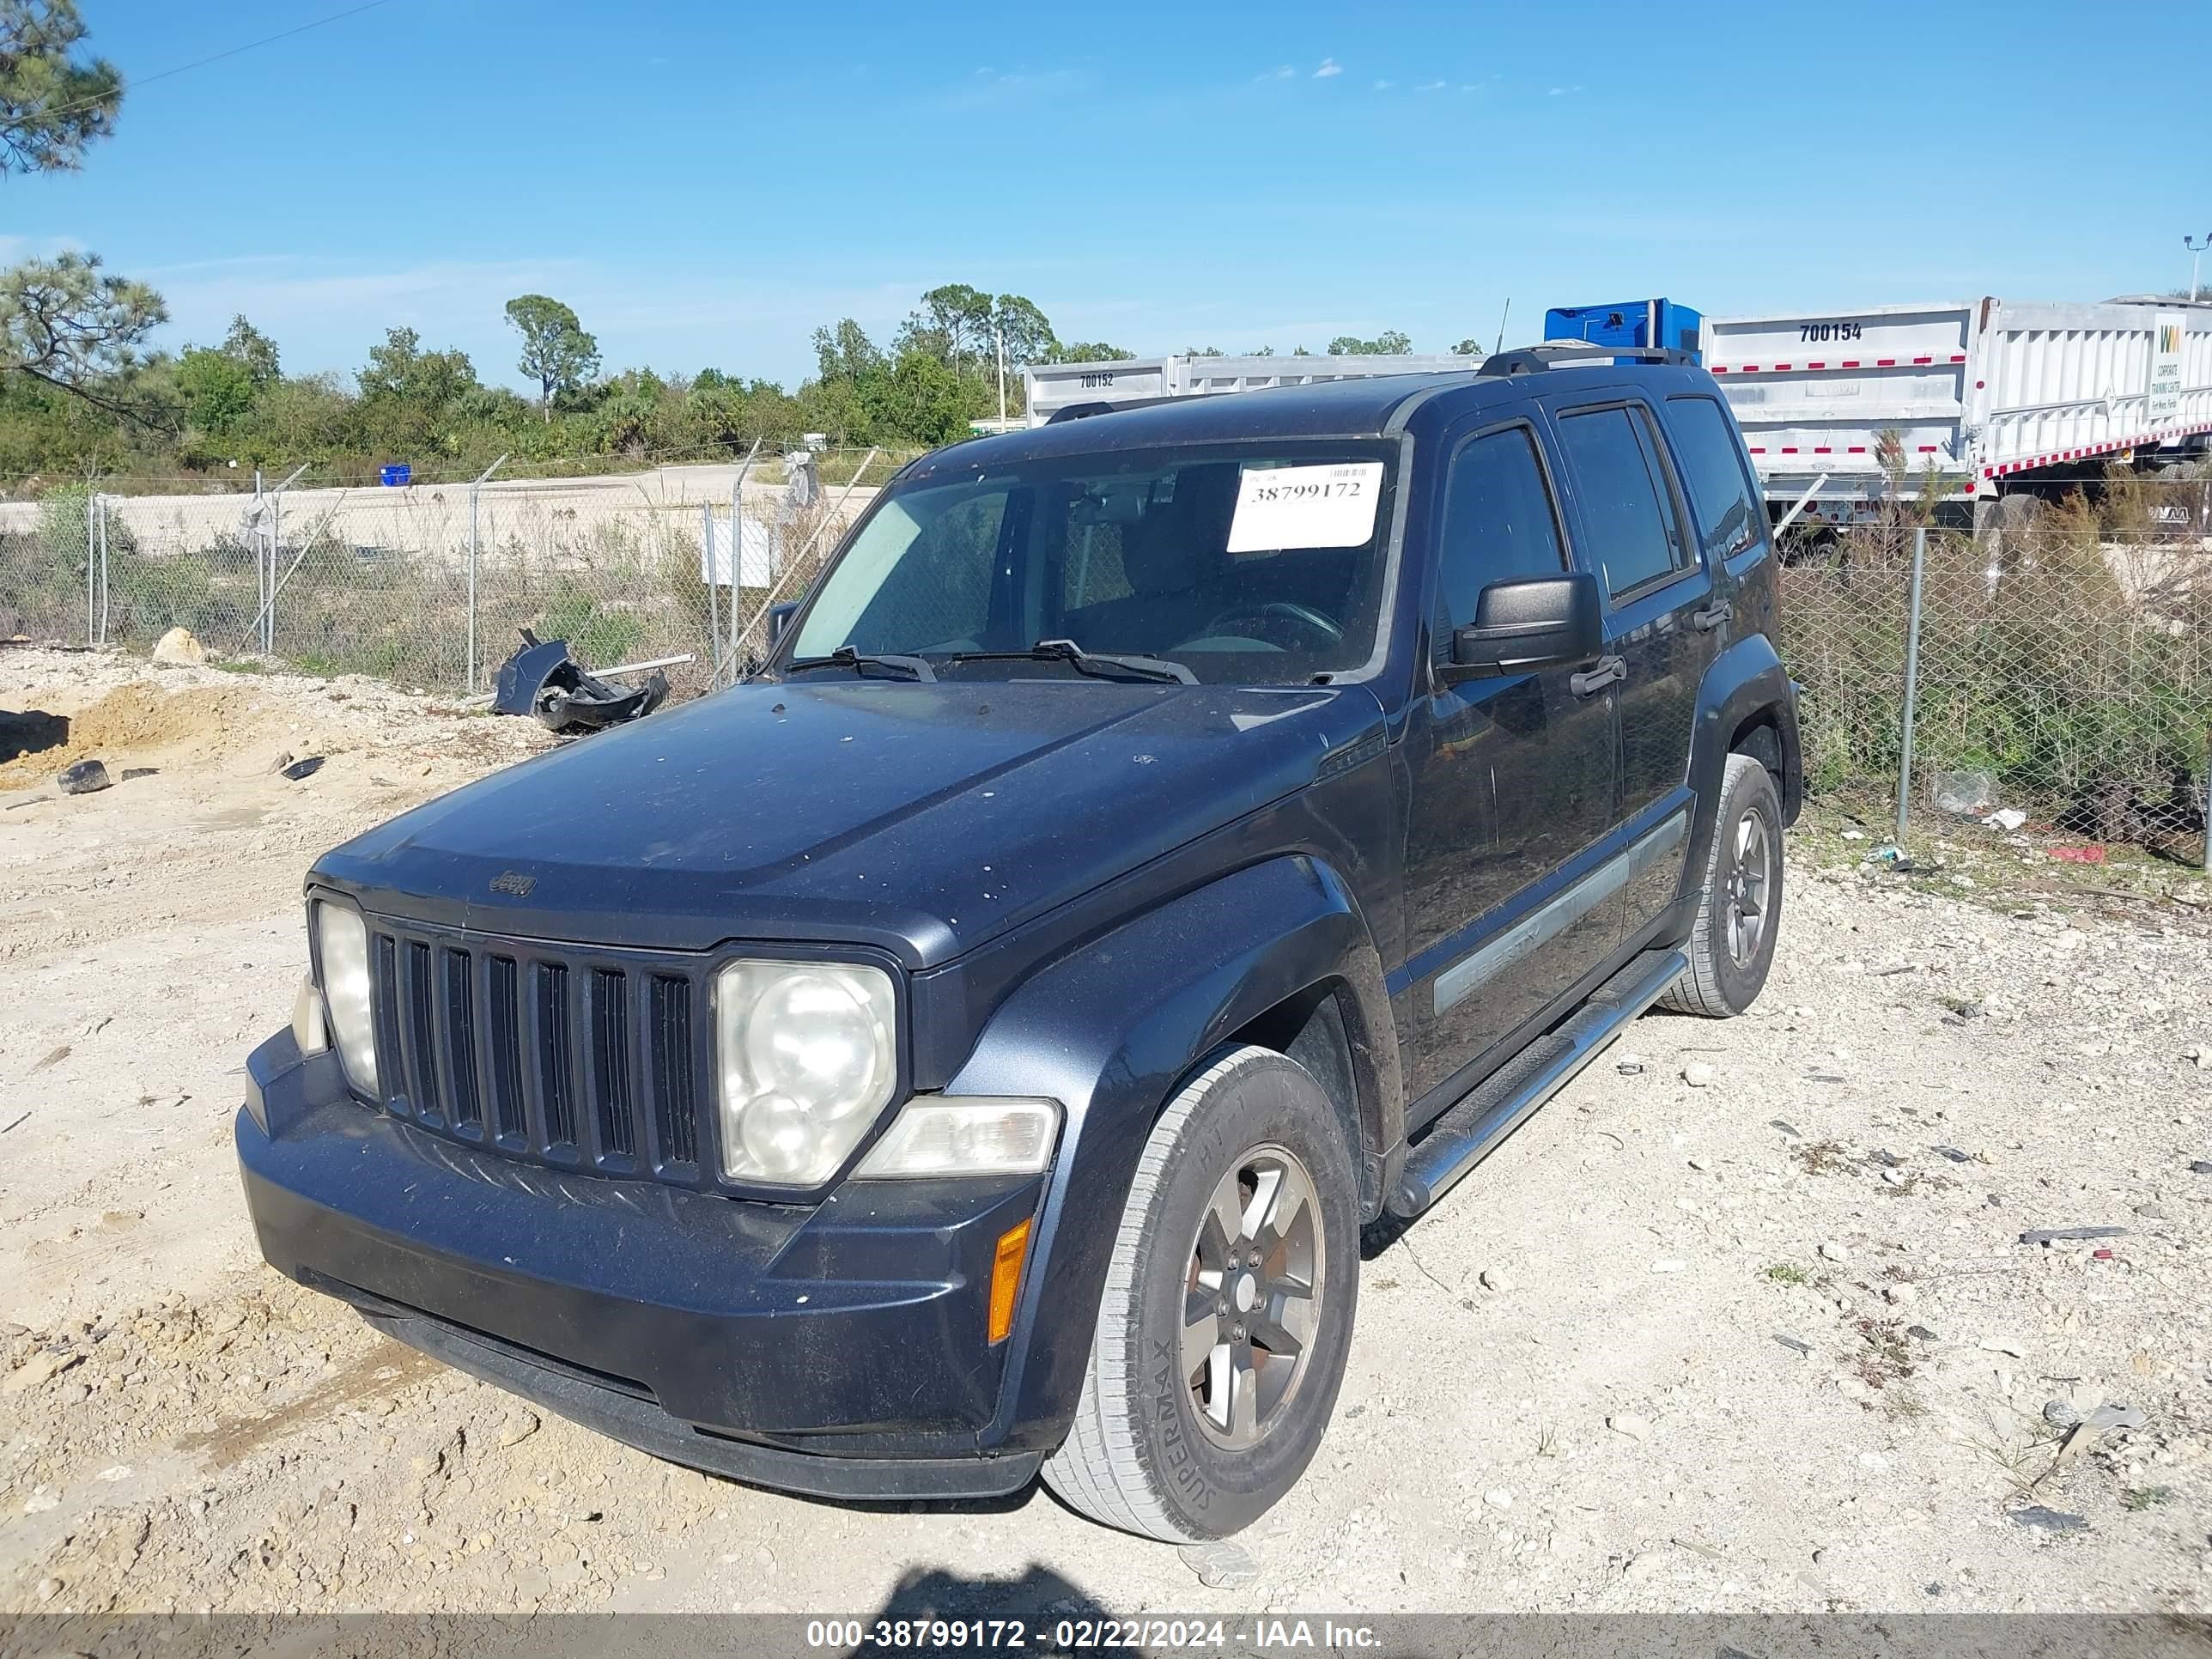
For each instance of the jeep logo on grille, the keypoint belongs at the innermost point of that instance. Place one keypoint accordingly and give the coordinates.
(513, 882)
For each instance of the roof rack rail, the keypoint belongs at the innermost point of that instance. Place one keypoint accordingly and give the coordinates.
(1528, 360)
(1104, 406)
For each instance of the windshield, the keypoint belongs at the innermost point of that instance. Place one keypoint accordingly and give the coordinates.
(1248, 564)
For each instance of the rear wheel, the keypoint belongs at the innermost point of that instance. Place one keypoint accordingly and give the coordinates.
(1227, 1315)
(1731, 948)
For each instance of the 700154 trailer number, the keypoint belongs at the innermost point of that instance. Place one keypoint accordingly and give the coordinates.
(1830, 332)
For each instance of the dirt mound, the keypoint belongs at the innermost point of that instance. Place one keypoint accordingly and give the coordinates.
(135, 720)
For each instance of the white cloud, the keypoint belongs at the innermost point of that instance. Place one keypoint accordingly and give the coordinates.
(1281, 72)
(1328, 66)
(1430, 86)
(1384, 86)
(1562, 92)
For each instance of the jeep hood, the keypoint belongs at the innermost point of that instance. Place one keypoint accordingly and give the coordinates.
(922, 818)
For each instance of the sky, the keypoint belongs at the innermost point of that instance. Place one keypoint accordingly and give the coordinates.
(706, 183)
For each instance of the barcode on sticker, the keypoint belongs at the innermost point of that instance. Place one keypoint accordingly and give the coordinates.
(1287, 506)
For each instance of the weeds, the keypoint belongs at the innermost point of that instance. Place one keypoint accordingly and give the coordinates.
(2139, 1498)
(1887, 1360)
(1822, 1158)
(1787, 1272)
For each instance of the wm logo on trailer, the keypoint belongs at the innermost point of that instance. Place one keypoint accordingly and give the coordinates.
(2169, 338)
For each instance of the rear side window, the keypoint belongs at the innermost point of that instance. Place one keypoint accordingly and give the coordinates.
(1723, 499)
(1628, 506)
(1498, 524)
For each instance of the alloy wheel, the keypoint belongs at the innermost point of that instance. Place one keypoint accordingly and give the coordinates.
(1252, 1295)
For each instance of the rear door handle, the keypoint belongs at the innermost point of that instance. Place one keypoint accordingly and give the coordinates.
(1711, 617)
(1608, 670)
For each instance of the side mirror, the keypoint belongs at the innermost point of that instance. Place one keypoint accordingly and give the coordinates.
(779, 619)
(1534, 621)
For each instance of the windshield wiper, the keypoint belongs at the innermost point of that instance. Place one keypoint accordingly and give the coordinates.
(1103, 665)
(846, 657)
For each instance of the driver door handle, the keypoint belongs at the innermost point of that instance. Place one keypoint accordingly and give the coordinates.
(1608, 670)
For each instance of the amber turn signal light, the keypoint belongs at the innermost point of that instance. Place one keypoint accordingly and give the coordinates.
(1006, 1279)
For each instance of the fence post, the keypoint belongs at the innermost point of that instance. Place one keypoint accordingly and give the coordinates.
(473, 488)
(712, 569)
(91, 571)
(1911, 683)
(2204, 859)
(738, 553)
(266, 640)
(101, 503)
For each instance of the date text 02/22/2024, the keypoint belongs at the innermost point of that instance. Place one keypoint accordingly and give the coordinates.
(1084, 1635)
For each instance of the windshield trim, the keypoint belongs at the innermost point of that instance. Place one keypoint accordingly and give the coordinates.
(1387, 628)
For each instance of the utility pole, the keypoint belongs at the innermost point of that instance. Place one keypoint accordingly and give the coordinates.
(2196, 258)
(999, 340)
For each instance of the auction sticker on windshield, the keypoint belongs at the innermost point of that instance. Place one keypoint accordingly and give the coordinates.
(1286, 507)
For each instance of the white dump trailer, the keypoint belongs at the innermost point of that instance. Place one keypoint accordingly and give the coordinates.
(1989, 395)
(1053, 386)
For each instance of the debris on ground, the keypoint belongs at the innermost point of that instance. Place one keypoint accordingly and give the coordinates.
(1220, 1564)
(544, 680)
(2078, 854)
(2048, 1235)
(86, 777)
(180, 648)
(303, 769)
(132, 773)
(2005, 817)
(1962, 793)
(2049, 1520)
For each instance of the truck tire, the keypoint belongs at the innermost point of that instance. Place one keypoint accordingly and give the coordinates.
(1740, 909)
(1227, 1314)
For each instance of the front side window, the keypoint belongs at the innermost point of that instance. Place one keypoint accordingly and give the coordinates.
(1726, 506)
(1498, 524)
(1628, 507)
(1251, 564)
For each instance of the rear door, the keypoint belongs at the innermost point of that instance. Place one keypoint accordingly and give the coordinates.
(1512, 779)
(1662, 629)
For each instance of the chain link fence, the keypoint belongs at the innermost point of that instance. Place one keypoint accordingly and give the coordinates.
(429, 586)
(2063, 668)
(2064, 665)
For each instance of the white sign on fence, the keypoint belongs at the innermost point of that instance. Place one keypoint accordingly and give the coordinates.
(756, 556)
(2167, 328)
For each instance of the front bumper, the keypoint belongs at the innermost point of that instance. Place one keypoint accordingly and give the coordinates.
(838, 1349)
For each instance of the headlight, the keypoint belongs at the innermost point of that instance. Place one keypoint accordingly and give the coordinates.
(806, 1057)
(342, 939)
(958, 1136)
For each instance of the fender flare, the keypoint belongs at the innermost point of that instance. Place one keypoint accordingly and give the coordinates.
(1109, 1030)
(1745, 680)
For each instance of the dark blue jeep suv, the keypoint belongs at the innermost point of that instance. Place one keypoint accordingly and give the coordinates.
(1160, 843)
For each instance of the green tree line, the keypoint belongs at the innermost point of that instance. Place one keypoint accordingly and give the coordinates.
(82, 391)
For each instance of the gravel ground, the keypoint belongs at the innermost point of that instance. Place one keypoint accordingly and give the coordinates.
(1742, 1321)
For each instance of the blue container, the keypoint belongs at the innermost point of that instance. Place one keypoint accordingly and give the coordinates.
(1637, 323)
(395, 476)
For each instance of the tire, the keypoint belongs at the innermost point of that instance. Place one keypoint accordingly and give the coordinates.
(1149, 1452)
(1743, 887)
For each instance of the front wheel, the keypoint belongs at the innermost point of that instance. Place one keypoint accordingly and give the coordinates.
(1227, 1315)
(1731, 948)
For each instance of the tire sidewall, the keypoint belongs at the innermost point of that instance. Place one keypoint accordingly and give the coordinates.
(1752, 789)
(1208, 1491)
